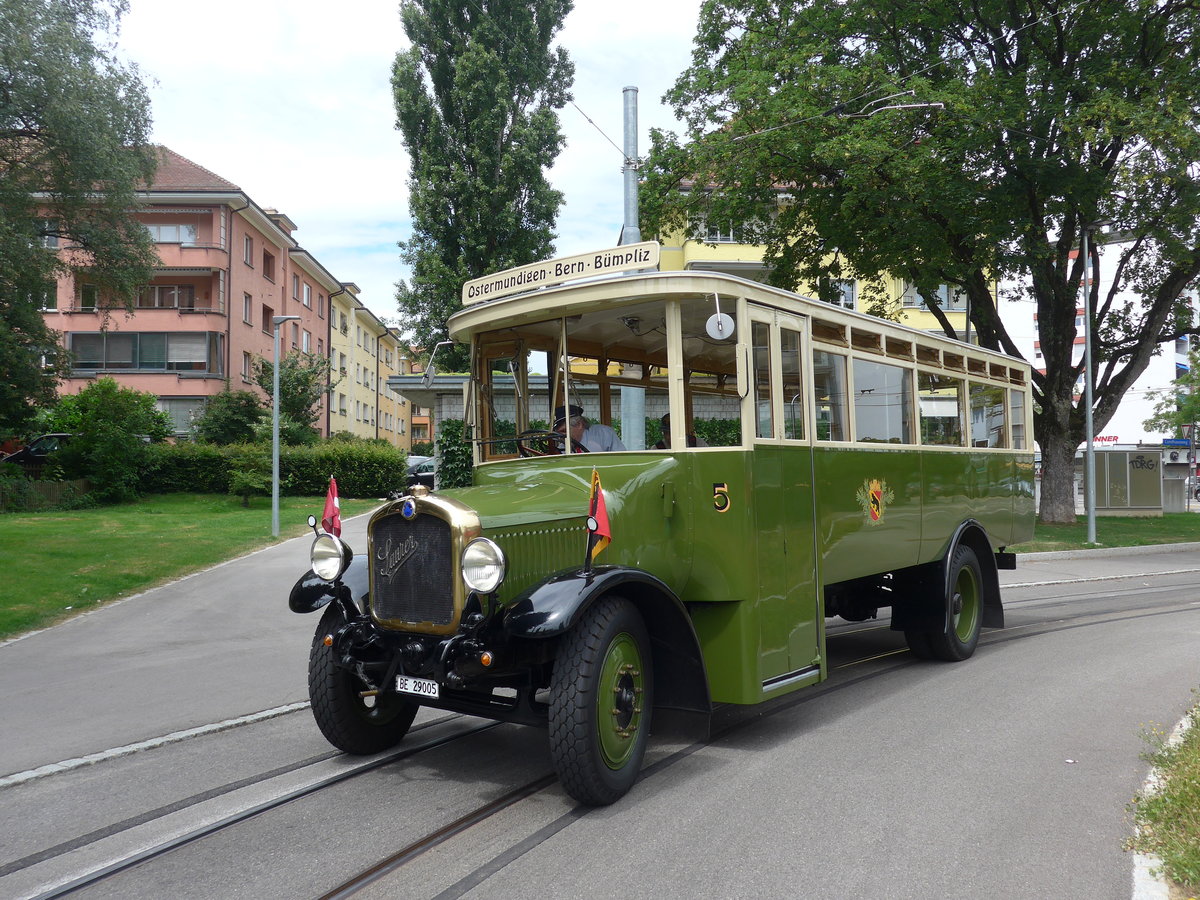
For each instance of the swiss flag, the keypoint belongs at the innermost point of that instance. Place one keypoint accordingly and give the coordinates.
(331, 521)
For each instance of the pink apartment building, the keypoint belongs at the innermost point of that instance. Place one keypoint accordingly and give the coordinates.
(227, 267)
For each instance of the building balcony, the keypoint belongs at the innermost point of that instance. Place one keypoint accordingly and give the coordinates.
(198, 257)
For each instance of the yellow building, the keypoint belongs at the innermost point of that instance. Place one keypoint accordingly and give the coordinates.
(363, 352)
(723, 251)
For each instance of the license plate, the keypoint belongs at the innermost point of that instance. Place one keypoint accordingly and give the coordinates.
(422, 687)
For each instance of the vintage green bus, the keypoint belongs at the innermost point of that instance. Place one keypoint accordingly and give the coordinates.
(814, 462)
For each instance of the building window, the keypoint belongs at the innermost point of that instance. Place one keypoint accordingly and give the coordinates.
(268, 266)
(248, 251)
(247, 366)
(320, 305)
(182, 410)
(167, 296)
(295, 335)
(247, 309)
(721, 234)
(295, 287)
(267, 315)
(87, 297)
(307, 297)
(945, 296)
(49, 297)
(306, 342)
(341, 404)
(838, 291)
(148, 351)
(320, 346)
(173, 234)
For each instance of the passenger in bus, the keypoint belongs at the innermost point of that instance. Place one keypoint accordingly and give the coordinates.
(595, 438)
(665, 442)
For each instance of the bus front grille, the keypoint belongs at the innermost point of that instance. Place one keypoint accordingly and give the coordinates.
(412, 569)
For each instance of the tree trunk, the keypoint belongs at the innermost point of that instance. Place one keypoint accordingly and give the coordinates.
(1057, 506)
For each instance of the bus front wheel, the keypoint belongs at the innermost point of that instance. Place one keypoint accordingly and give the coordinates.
(964, 608)
(601, 696)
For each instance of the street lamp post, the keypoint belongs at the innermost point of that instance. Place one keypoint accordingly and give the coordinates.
(276, 321)
(1089, 457)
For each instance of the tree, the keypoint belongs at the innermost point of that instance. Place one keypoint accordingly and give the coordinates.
(74, 132)
(1057, 118)
(1179, 407)
(111, 426)
(303, 379)
(476, 99)
(230, 417)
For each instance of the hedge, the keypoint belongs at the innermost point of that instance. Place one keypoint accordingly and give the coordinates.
(362, 470)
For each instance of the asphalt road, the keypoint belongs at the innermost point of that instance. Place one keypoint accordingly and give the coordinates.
(1005, 776)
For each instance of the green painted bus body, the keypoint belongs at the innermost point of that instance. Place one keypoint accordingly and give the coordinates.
(748, 539)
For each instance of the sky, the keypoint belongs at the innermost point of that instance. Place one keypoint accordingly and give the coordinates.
(291, 100)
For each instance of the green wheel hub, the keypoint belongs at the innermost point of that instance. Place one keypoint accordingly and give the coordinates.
(965, 605)
(619, 700)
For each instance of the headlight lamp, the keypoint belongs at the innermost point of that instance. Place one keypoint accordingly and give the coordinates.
(483, 566)
(329, 557)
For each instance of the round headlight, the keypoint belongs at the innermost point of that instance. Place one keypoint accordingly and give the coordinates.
(483, 566)
(328, 556)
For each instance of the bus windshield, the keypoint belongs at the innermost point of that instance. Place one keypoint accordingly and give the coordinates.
(616, 367)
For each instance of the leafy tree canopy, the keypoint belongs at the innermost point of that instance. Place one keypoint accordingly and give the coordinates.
(476, 97)
(230, 417)
(111, 425)
(1178, 409)
(74, 132)
(303, 379)
(1056, 118)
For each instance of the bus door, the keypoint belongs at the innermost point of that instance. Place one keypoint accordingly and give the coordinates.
(790, 621)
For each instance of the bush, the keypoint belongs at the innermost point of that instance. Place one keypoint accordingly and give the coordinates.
(250, 476)
(455, 463)
(201, 468)
(230, 417)
(422, 448)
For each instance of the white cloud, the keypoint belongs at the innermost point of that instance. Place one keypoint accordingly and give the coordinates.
(291, 100)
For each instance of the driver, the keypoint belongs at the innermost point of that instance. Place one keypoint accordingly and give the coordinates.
(595, 438)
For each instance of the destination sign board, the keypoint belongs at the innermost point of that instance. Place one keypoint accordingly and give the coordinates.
(645, 255)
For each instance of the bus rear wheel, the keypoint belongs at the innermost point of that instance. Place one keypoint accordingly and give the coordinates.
(601, 696)
(964, 608)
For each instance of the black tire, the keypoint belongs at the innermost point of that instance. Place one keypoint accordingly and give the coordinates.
(965, 607)
(351, 723)
(918, 644)
(601, 698)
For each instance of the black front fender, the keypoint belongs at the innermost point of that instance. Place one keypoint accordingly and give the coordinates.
(311, 592)
(552, 607)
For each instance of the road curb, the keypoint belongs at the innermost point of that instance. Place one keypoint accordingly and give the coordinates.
(1109, 552)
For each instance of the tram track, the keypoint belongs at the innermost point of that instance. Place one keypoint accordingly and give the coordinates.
(880, 665)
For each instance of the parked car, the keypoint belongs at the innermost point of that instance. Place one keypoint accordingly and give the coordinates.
(422, 471)
(33, 455)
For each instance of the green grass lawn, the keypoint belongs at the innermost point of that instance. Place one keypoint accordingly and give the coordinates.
(1115, 531)
(57, 564)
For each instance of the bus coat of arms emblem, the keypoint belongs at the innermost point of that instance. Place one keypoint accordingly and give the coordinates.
(874, 497)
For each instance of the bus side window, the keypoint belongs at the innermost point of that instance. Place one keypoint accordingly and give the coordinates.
(764, 422)
(939, 398)
(882, 403)
(987, 415)
(793, 394)
(829, 388)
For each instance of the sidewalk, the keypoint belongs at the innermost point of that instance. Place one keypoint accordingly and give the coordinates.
(1104, 562)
